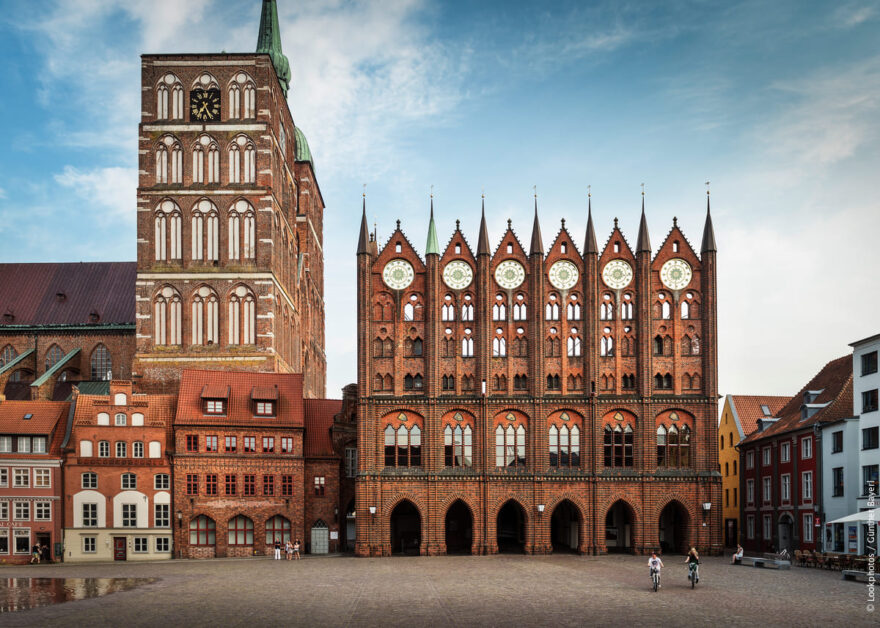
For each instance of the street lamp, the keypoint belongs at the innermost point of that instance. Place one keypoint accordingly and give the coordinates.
(540, 509)
(707, 506)
(179, 519)
(373, 510)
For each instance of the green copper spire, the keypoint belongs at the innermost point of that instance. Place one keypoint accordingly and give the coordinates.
(269, 42)
(432, 248)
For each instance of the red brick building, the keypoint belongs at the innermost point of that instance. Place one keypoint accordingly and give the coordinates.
(778, 464)
(63, 324)
(31, 506)
(238, 463)
(117, 477)
(230, 220)
(537, 400)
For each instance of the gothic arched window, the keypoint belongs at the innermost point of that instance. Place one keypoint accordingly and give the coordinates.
(167, 317)
(206, 160)
(169, 98)
(242, 317)
(53, 356)
(101, 364)
(205, 317)
(167, 223)
(242, 231)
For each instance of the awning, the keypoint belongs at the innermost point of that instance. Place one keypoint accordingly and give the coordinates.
(865, 516)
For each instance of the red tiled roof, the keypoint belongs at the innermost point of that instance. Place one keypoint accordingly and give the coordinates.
(264, 393)
(748, 409)
(28, 292)
(319, 415)
(835, 382)
(215, 391)
(48, 418)
(240, 410)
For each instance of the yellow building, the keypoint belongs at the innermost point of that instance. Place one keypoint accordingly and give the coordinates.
(739, 418)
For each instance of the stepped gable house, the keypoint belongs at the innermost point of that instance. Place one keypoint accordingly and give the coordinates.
(230, 270)
(62, 324)
(117, 476)
(537, 400)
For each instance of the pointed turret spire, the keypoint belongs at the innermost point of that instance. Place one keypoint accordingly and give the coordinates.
(537, 242)
(590, 245)
(364, 239)
(644, 242)
(483, 243)
(432, 248)
(708, 231)
(269, 42)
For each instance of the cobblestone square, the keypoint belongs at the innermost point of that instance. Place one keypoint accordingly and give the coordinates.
(561, 590)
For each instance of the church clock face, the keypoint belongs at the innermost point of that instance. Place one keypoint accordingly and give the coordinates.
(204, 105)
(509, 274)
(617, 274)
(676, 274)
(457, 275)
(398, 274)
(563, 275)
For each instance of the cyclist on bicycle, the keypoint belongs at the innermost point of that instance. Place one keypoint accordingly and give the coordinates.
(655, 564)
(693, 562)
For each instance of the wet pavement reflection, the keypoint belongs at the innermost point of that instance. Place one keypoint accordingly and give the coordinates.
(18, 594)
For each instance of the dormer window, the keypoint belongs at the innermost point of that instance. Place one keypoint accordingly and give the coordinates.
(214, 406)
(265, 408)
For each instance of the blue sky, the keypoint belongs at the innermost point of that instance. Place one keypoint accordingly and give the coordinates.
(776, 103)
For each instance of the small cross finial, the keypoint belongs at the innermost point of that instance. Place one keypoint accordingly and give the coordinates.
(457, 224)
(432, 191)
(589, 191)
(707, 188)
(675, 221)
(509, 222)
(482, 192)
(615, 222)
(365, 191)
(563, 223)
(535, 190)
(398, 223)
(643, 189)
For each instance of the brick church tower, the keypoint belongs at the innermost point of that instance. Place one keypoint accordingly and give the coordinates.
(230, 263)
(537, 400)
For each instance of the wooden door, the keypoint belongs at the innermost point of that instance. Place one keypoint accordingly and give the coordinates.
(119, 547)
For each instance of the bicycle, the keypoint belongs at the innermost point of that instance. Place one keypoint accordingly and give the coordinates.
(693, 573)
(655, 578)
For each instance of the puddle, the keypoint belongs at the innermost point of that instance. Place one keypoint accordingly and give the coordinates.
(18, 594)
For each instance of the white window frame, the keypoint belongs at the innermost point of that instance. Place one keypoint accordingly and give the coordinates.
(103, 449)
(766, 489)
(90, 544)
(43, 474)
(750, 491)
(122, 446)
(21, 477)
(89, 521)
(90, 475)
(806, 486)
(163, 519)
(750, 526)
(768, 527)
(41, 509)
(144, 542)
(785, 487)
(166, 541)
(128, 481)
(120, 420)
(161, 482)
(129, 521)
(785, 452)
(4, 510)
(806, 448)
(21, 532)
(4, 477)
(766, 457)
(750, 459)
(137, 449)
(24, 506)
(808, 527)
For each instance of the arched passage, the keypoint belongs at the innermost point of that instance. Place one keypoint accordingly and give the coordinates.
(459, 528)
(406, 529)
(511, 528)
(619, 525)
(565, 524)
(674, 520)
(350, 527)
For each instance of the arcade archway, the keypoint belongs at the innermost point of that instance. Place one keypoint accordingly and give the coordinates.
(406, 529)
(459, 528)
(565, 524)
(511, 528)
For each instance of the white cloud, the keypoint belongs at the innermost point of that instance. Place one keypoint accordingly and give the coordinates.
(833, 114)
(2, 194)
(364, 73)
(111, 190)
(853, 15)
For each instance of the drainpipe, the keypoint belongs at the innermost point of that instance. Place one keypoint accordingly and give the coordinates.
(818, 510)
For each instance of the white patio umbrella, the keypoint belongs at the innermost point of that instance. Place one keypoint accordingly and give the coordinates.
(865, 515)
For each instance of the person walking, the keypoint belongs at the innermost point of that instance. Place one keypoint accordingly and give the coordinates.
(35, 554)
(277, 549)
(296, 545)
